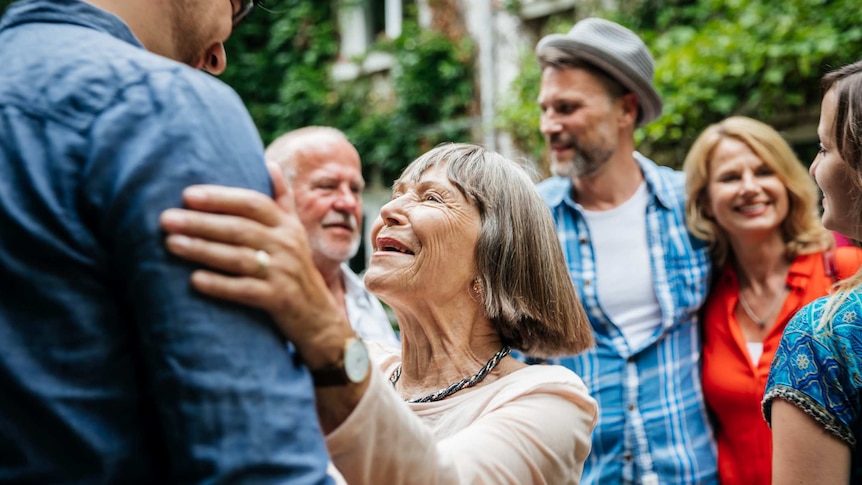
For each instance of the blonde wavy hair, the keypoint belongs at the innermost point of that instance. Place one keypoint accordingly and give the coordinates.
(802, 230)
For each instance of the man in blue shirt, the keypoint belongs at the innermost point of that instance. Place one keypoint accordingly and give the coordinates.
(112, 370)
(641, 278)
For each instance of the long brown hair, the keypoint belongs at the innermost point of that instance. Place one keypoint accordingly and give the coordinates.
(847, 127)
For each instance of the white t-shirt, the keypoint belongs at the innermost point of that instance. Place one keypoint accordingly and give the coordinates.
(755, 350)
(623, 268)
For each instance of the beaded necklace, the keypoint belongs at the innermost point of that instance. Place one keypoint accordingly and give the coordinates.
(462, 384)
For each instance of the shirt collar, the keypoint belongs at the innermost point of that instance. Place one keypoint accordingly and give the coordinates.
(73, 12)
(353, 286)
(657, 185)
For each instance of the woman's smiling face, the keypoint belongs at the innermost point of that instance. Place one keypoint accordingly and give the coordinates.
(744, 193)
(834, 176)
(424, 239)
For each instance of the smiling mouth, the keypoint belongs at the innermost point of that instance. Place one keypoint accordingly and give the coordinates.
(396, 249)
(751, 207)
(391, 245)
(346, 227)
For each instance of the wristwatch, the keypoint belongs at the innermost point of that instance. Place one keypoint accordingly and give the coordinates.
(353, 367)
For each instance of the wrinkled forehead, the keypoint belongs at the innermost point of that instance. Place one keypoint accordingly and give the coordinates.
(413, 173)
(452, 171)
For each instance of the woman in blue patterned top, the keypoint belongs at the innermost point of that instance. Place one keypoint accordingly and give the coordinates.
(812, 398)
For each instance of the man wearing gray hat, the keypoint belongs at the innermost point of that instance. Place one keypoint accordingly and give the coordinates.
(641, 277)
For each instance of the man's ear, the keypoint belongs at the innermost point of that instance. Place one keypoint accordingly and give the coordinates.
(630, 105)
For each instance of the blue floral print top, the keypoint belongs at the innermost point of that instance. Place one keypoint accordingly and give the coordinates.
(818, 368)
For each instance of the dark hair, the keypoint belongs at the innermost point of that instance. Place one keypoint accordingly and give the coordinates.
(847, 82)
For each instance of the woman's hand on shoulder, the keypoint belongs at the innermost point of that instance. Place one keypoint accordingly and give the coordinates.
(257, 253)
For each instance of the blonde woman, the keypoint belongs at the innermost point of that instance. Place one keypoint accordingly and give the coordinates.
(813, 398)
(752, 200)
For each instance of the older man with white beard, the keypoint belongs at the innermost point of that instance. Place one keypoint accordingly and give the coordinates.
(324, 171)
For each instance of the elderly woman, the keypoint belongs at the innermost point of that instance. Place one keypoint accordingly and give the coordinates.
(466, 256)
(752, 200)
(814, 394)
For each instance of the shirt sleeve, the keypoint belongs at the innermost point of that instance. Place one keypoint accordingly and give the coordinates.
(230, 404)
(538, 434)
(817, 364)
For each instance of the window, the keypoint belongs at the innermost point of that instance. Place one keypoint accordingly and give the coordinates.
(364, 21)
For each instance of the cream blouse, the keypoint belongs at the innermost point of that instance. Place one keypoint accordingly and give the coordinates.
(532, 426)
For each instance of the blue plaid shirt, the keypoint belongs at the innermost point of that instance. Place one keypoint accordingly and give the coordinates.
(653, 425)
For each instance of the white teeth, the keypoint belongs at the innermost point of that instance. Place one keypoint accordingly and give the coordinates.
(751, 207)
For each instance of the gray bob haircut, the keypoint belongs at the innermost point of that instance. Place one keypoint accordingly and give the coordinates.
(527, 291)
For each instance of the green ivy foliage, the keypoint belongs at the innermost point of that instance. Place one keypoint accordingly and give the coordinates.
(716, 58)
(432, 94)
(280, 62)
(519, 114)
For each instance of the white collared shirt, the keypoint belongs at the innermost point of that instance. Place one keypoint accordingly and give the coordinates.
(366, 313)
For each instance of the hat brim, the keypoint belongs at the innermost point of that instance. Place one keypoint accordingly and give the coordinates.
(648, 98)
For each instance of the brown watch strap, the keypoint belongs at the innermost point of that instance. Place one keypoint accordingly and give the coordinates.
(329, 376)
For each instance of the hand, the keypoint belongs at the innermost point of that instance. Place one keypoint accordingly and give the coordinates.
(225, 229)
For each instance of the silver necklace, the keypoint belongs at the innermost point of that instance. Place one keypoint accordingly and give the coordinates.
(761, 323)
(462, 384)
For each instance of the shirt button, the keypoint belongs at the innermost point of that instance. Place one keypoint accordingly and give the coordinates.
(627, 457)
(631, 407)
(587, 283)
(583, 240)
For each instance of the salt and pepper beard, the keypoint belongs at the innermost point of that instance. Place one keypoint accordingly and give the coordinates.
(584, 163)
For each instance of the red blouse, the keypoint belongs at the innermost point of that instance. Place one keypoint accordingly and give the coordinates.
(733, 385)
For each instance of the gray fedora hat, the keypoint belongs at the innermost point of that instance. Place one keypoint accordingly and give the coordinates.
(617, 51)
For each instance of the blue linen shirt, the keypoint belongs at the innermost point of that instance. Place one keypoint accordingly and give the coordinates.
(653, 425)
(112, 369)
(818, 367)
